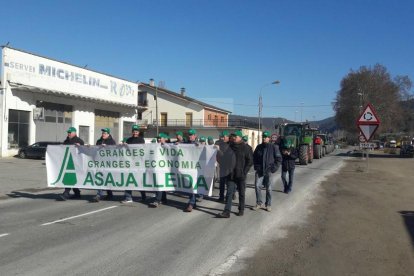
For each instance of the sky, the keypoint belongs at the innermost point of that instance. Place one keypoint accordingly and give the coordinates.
(224, 52)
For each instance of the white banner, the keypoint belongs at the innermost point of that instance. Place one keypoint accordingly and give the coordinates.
(145, 167)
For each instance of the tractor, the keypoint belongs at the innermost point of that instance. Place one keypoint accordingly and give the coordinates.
(299, 136)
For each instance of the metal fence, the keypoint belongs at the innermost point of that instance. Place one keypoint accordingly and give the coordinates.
(206, 123)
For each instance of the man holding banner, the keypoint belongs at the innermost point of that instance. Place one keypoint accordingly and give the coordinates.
(160, 196)
(71, 139)
(192, 139)
(134, 139)
(106, 139)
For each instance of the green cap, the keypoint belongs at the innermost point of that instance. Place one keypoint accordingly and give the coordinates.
(107, 130)
(238, 133)
(224, 133)
(179, 133)
(135, 127)
(154, 140)
(266, 134)
(210, 138)
(163, 135)
(71, 129)
(202, 139)
(192, 132)
(245, 138)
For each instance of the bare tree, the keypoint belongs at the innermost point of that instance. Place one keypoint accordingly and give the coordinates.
(372, 85)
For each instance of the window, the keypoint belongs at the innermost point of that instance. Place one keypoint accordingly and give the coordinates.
(18, 135)
(209, 117)
(59, 113)
(188, 119)
(222, 119)
(142, 99)
(164, 119)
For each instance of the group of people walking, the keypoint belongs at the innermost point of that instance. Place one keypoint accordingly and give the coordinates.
(235, 158)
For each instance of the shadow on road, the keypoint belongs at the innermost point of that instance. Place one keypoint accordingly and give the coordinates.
(408, 217)
(17, 194)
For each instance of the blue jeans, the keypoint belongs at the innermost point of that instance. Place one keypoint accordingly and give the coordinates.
(100, 193)
(288, 184)
(266, 183)
(128, 195)
(223, 181)
(192, 199)
(232, 185)
(160, 196)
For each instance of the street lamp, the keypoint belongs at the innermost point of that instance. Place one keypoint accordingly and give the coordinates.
(261, 107)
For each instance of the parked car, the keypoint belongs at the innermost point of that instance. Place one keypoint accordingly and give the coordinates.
(407, 150)
(37, 150)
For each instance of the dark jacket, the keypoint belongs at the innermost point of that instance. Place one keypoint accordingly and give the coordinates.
(267, 158)
(74, 140)
(244, 161)
(288, 160)
(225, 158)
(135, 140)
(109, 141)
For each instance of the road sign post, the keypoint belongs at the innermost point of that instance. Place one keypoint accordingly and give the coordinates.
(368, 124)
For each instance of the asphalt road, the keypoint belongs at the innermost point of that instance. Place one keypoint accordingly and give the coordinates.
(41, 236)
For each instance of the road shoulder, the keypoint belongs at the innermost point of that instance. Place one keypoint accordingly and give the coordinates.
(362, 224)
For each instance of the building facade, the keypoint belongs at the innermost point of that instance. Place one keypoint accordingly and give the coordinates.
(163, 110)
(41, 97)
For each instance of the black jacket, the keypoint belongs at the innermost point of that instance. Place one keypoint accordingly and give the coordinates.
(244, 161)
(135, 140)
(225, 158)
(109, 141)
(288, 161)
(267, 158)
(72, 141)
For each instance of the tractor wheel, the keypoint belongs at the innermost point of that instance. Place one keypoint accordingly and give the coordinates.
(303, 154)
(310, 154)
(317, 151)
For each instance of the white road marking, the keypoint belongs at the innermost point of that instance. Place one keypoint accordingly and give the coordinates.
(81, 215)
(5, 234)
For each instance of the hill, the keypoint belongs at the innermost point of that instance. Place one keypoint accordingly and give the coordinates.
(326, 125)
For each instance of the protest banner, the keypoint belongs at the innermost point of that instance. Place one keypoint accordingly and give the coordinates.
(144, 167)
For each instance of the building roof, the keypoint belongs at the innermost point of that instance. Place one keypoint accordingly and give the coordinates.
(185, 98)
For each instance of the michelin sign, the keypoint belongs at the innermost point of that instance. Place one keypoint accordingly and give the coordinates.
(27, 69)
(150, 167)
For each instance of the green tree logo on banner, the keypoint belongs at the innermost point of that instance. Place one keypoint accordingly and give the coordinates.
(67, 173)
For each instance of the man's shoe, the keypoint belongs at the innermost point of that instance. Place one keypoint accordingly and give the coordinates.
(223, 215)
(189, 208)
(199, 199)
(240, 213)
(108, 197)
(155, 204)
(257, 207)
(141, 199)
(62, 197)
(97, 198)
(126, 201)
(75, 196)
(269, 209)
